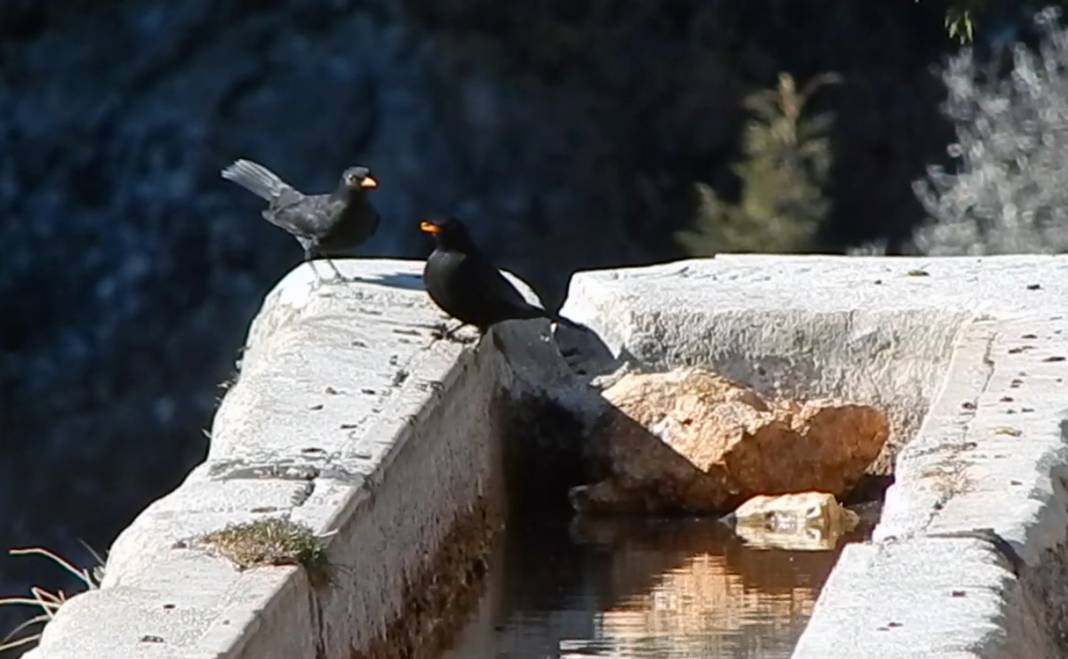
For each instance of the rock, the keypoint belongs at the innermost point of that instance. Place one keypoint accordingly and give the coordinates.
(692, 441)
(806, 521)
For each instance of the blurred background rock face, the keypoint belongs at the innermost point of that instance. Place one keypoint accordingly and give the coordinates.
(569, 135)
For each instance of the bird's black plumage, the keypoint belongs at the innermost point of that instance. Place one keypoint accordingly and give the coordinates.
(325, 225)
(466, 285)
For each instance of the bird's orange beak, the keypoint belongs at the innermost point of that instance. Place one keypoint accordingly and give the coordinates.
(429, 227)
(368, 183)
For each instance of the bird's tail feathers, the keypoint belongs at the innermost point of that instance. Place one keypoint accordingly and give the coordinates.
(255, 178)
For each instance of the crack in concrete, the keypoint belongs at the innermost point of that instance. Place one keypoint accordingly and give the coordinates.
(953, 480)
(302, 494)
(952, 448)
(279, 471)
(317, 624)
(239, 470)
(991, 537)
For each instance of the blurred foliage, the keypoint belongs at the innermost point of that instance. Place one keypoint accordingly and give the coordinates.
(961, 16)
(786, 158)
(1005, 192)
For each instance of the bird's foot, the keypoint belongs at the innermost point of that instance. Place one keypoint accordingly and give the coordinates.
(442, 332)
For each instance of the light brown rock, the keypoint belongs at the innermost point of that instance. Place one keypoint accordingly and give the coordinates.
(690, 440)
(811, 521)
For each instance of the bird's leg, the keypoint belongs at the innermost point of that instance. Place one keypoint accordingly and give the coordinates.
(309, 258)
(334, 268)
(442, 331)
(318, 279)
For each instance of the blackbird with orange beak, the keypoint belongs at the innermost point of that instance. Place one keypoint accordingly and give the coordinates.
(466, 285)
(325, 225)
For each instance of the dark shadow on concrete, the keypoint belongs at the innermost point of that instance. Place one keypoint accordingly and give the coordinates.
(584, 351)
(403, 280)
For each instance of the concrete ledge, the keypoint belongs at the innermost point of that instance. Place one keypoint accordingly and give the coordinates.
(351, 417)
(968, 356)
(935, 598)
(348, 416)
(989, 462)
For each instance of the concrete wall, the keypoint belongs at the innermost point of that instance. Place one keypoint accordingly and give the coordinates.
(791, 326)
(350, 416)
(969, 558)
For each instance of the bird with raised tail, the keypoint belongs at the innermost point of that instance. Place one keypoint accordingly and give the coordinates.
(466, 285)
(325, 225)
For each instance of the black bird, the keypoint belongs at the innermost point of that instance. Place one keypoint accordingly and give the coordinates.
(466, 285)
(325, 225)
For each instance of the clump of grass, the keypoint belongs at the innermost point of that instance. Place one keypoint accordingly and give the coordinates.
(47, 601)
(272, 541)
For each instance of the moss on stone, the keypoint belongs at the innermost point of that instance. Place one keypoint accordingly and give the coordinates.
(272, 541)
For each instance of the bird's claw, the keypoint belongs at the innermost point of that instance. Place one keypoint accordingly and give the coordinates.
(442, 332)
(439, 330)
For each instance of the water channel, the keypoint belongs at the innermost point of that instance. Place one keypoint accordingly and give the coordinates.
(641, 588)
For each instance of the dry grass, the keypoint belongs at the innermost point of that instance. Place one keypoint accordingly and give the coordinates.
(47, 601)
(272, 541)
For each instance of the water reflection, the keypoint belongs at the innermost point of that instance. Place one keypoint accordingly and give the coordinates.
(663, 588)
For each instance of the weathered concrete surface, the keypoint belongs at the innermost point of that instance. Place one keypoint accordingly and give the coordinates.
(969, 559)
(925, 597)
(350, 416)
(988, 466)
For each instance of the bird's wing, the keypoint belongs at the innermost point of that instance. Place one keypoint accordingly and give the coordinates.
(304, 215)
(498, 290)
(288, 197)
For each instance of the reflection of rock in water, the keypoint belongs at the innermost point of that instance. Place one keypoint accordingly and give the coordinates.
(668, 588)
(628, 587)
(801, 539)
(704, 605)
(690, 588)
(728, 597)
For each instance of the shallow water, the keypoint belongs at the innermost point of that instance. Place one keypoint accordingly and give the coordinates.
(663, 588)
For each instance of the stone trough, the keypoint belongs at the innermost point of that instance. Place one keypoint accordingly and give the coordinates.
(350, 415)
